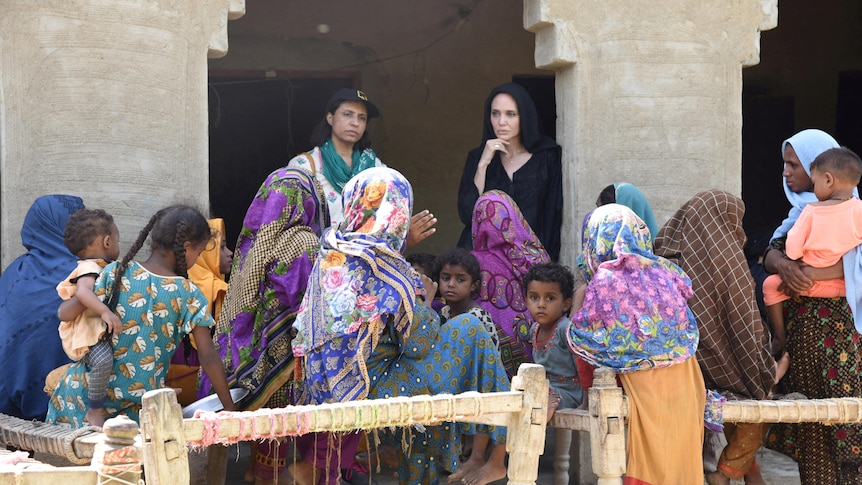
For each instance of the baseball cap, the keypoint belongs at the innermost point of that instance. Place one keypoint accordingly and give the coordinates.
(350, 94)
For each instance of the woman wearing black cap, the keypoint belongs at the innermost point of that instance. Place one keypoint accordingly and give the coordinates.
(516, 158)
(343, 147)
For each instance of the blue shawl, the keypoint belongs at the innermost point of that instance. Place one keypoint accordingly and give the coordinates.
(29, 343)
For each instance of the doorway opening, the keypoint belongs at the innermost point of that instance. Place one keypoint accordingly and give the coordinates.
(257, 123)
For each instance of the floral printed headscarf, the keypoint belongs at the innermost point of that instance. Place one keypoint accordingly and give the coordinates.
(635, 315)
(359, 283)
(506, 248)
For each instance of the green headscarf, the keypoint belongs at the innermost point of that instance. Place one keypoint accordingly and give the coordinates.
(337, 172)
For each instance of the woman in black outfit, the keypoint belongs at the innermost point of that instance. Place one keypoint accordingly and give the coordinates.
(516, 158)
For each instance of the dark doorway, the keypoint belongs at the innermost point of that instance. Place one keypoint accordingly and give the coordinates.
(542, 90)
(848, 123)
(256, 125)
(766, 122)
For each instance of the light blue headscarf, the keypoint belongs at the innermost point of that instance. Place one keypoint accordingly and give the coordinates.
(807, 144)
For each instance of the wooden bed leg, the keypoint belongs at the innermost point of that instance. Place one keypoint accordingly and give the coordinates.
(525, 439)
(562, 455)
(607, 428)
(166, 459)
(117, 457)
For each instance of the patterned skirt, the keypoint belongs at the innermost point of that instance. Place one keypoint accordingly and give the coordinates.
(458, 357)
(824, 363)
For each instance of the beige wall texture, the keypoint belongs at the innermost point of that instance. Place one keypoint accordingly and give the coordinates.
(106, 100)
(651, 95)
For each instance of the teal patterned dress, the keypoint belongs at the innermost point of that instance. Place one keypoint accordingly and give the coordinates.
(458, 357)
(157, 312)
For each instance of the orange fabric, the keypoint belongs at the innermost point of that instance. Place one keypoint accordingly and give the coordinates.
(665, 433)
(821, 236)
(82, 333)
(205, 273)
(743, 441)
(819, 289)
(183, 377)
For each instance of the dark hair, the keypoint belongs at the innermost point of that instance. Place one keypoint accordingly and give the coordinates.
(426, 261)
(323, 131)
(459, 257)
(171, 228)
(841, 162)
(552, 273)
(84, 226)
(608, 195)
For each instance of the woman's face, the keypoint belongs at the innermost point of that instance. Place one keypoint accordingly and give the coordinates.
(348, 122)
(225, 258)
(794, 173)
(505, 118)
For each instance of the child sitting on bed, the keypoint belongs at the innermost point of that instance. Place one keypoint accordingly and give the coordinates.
(549, 288)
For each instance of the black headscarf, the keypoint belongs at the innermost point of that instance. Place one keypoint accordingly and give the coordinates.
(531, 130)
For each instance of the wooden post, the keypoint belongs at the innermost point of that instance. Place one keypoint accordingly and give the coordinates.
(117, 457)
(525, 440)
(607, 428)
(166, 459)
(562, 455)
(217, 464)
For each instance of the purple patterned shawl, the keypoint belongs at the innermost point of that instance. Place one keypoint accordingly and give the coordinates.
(359, 282)
(274, 255)
(635, 315)
(506, 248)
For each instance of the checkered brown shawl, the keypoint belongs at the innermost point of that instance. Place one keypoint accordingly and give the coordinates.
(705, 238)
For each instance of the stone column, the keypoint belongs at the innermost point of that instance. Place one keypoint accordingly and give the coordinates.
(107, 100)
(648, 93)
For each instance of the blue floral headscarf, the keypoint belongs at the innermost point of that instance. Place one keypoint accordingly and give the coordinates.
(359, 283)
(635, 315)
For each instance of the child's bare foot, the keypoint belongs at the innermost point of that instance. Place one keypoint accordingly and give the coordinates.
(716, 478)
(465, 469)
(553, 403)
(487, 473)
(96, 417)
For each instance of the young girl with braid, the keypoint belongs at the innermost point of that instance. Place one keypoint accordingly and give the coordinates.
(158, 306)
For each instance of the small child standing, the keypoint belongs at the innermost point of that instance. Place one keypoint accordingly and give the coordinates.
(549, 288)
(824, 232)
(458, 278)
(94, 238)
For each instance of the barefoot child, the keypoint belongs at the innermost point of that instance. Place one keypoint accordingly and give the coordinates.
(94, 238)
(159, 306)
(459, 279)
(824, 232)
(549, 289)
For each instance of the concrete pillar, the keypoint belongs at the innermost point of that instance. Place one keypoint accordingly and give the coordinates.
(648, 93)
(107, 100)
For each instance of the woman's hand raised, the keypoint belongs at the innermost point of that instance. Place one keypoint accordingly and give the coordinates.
(421, 226)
